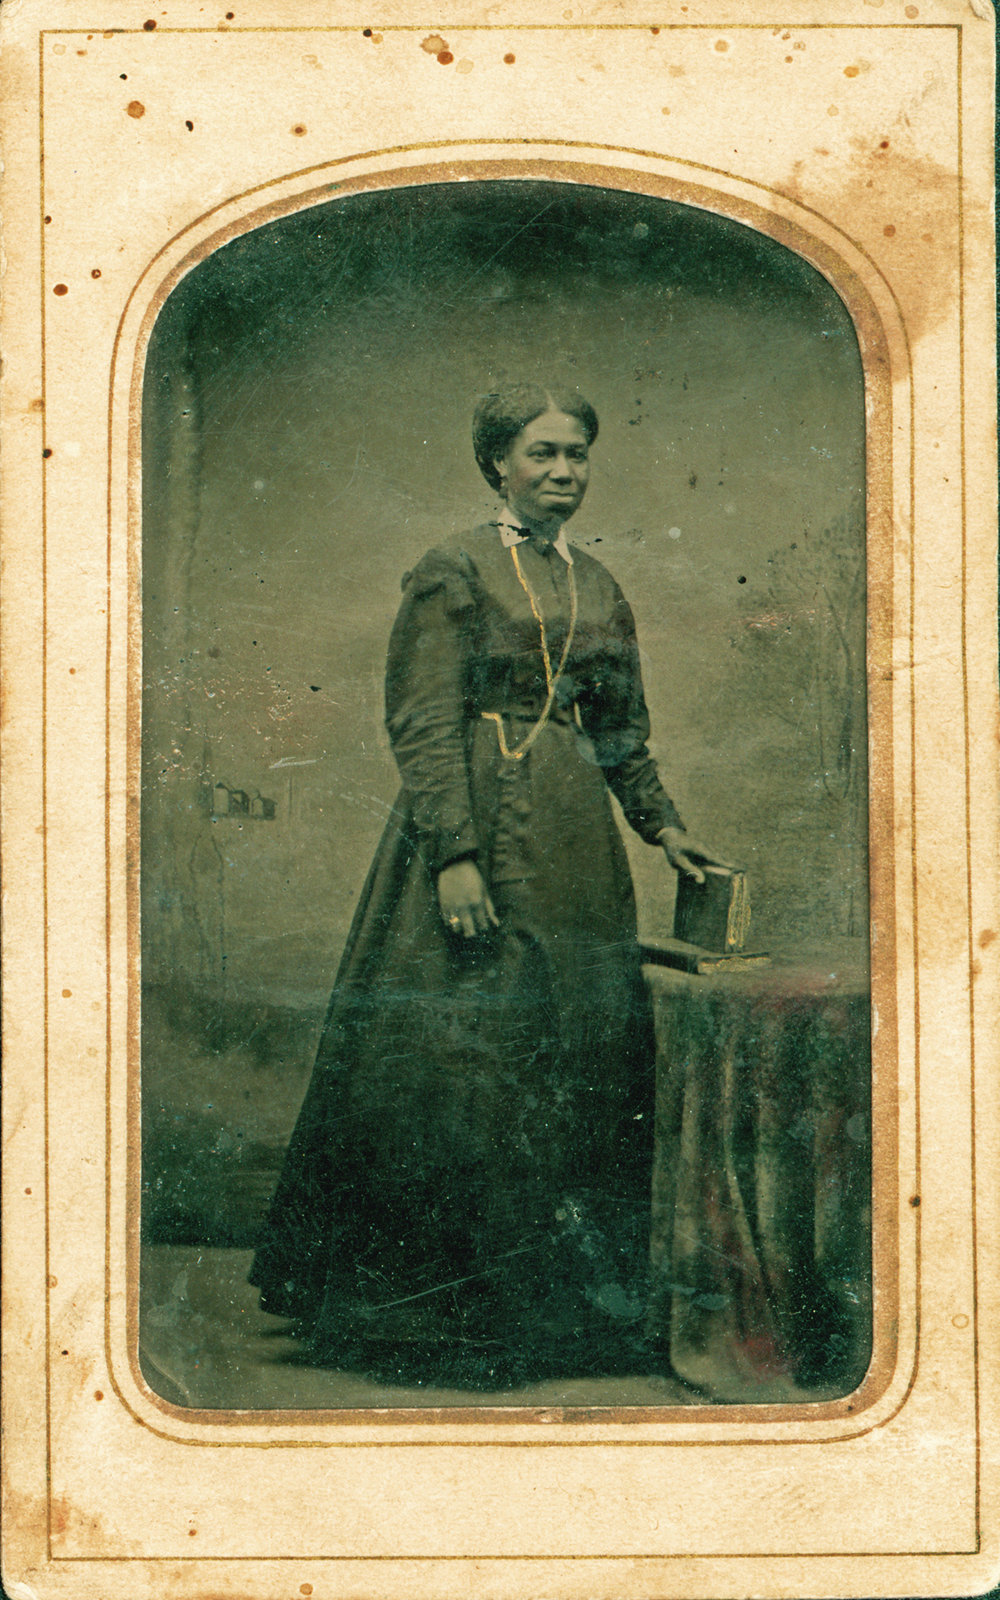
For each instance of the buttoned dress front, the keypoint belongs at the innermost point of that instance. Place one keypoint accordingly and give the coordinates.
(465, 1198)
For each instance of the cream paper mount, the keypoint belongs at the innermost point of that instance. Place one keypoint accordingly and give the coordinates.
(814, 172)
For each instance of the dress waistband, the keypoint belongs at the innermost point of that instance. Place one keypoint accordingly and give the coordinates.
(523, 712)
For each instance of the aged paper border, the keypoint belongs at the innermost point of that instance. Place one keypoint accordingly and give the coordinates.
(898, 876)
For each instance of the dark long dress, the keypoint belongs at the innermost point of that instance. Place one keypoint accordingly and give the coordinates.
(465, 1198)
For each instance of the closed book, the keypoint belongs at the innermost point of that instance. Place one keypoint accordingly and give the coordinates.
(715, 914)
(691, 958)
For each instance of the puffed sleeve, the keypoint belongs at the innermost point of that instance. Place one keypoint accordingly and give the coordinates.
(426, 711)
(615, 719)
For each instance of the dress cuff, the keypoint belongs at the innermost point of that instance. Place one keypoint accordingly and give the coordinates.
(450, 861)
(442, 846)
(649, 824)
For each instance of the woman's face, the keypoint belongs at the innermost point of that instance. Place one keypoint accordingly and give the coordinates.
(546, 468)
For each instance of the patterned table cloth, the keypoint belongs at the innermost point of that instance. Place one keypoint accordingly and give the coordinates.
(761, 1198)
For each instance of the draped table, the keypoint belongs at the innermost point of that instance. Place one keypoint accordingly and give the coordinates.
(761, 1238)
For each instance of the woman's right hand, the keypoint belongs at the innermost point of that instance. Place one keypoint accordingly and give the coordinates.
(464, 900)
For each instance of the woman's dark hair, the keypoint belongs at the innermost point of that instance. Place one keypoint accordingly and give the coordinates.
(499, 418)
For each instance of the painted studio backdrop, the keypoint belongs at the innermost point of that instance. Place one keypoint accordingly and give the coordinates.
(308, 397)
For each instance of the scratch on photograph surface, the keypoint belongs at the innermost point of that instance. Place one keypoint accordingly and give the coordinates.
(455, 1283)
(463, 286)
(378, 808)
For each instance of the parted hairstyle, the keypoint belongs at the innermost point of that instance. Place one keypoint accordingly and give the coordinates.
(499, 418)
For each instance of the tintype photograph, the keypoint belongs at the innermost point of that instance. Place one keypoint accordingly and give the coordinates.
(503, 566)
(500, 809)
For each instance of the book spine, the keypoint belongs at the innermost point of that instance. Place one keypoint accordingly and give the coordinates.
(738, 915)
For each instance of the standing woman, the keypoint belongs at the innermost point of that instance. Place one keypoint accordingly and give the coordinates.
(465, 1200)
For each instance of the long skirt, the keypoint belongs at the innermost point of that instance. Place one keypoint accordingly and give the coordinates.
(465, 1199)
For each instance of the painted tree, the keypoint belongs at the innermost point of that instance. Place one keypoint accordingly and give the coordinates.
(801, 634)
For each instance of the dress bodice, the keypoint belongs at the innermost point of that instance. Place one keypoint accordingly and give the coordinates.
(468, 640)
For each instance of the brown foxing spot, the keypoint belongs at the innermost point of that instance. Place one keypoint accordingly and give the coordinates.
(851, 72)
(135, 108)
(149, 25)
(986, 938)
(722, 44)
(299, 129)
(890, 230)
(53, 1281)
(38, 404)
(852, 193)
(306, 1589)
(434, 44)
(61, 288)
(510, 58)
(65, 1515)
(95, 272)
(445, 57)
(47, 452)
(98, 1394)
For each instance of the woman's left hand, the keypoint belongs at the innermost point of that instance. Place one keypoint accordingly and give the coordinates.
(687, 855)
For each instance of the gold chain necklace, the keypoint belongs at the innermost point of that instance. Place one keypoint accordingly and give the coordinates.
(551, 678)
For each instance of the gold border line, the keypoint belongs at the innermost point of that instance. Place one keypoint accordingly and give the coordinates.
(663, 158)
(967, 735)
(43, 743)
(707, 1555)
(524, 27)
